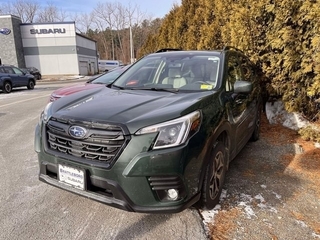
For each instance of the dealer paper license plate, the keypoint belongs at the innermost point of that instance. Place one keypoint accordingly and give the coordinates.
(71, 176)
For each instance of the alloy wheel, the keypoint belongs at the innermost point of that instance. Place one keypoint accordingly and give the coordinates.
(216, 179)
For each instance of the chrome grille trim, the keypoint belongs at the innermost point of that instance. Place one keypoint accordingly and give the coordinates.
(101, 145)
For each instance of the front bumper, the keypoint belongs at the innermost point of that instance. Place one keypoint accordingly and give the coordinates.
(133, 194)
(137, 180)
(121, 200)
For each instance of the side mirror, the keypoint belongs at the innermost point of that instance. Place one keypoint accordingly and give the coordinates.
(243, 87)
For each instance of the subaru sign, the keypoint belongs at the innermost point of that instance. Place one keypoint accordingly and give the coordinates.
(5, 31)
(48, 31)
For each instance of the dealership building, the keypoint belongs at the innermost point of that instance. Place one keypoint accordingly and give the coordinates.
(53, 48)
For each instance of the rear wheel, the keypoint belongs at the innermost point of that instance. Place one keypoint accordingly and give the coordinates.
(7, 87)
(30, 84)
(215, 176)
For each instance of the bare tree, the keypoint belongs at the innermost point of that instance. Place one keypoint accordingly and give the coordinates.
(51, 13)
(104, 19)
(120, 22)
(135, 20)
(118, 19)
(26, 10)
(84, 22)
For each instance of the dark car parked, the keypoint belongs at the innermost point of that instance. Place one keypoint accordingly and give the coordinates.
(12, 77)
(34, 71)
(160, 137)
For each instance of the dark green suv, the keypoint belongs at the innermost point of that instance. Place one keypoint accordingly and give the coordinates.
(158, 139)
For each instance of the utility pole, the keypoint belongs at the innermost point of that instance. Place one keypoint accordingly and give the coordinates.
(131, 46)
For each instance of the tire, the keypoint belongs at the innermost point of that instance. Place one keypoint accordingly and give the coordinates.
(30, 84)
(7, 87)
(214, 178)
(257, 125)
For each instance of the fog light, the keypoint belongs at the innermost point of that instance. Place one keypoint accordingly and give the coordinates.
(173, 194)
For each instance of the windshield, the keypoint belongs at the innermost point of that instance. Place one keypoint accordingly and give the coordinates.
(179, 71)
(110, 76)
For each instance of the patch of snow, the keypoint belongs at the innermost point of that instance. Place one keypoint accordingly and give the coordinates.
(248, 210)
(276, 113)
(301, 223)
(259, 197)
(277, 195)
(245, 201)
(246, 197)
(263, 186)
(208, 215)
(262, 205)
(298, 148)
(317, 145)
(315, 235)
(272, 209)
(223, 195)
(4, 95)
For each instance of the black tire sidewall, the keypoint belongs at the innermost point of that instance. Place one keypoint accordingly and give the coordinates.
(5, 89)
(207, 201)
(31, 85)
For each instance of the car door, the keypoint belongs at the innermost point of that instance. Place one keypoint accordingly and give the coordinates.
(14, 78)
(237, 102)
(22, 79)
(253, 99)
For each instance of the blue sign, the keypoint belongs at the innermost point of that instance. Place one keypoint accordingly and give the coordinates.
(5, 31)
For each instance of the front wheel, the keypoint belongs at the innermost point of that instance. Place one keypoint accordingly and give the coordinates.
(7, 87)
(30, 84)
(215, 176)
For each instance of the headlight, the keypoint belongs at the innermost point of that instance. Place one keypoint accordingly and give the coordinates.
(174, 132)
(45, 115)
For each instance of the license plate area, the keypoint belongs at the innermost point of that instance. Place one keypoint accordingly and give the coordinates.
(72, 176)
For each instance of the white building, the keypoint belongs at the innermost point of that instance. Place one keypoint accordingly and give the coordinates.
(53, 48)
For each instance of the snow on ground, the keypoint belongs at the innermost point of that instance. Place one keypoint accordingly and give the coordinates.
(208, 215)
(277, 114)
(5, 95)
(245, 202)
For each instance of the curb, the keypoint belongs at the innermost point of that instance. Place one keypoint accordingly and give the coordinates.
(70, 80)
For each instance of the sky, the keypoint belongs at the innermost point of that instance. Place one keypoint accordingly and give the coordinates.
(152, 8)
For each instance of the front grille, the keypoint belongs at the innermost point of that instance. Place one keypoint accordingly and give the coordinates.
(102, 143)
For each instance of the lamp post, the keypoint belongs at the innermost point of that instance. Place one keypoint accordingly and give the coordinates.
(131, 46)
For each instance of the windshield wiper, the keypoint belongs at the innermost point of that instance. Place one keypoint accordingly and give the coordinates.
(122, 88)
(172, 90)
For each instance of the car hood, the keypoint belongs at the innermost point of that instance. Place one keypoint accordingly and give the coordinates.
(75, 88)
(131, 108)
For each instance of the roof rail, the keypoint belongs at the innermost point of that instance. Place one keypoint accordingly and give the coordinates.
(168, 50)
(231, 47)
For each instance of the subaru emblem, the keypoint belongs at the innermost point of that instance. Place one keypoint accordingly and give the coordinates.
(77, 132)
(5, 31)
